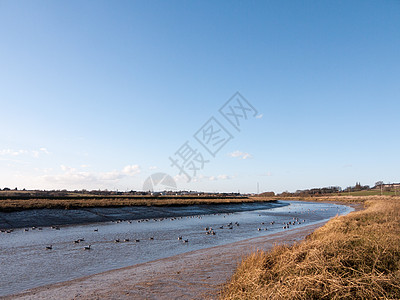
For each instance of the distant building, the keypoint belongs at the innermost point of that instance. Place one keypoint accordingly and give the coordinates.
(388, 186)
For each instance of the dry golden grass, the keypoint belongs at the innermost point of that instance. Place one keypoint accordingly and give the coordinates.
(342, 198)
(352, 257)
(85, 202)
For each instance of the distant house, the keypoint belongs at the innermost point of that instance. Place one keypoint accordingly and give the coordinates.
(388, 186)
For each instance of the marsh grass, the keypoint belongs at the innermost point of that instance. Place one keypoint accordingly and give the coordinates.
(352, 257)
(85, 202)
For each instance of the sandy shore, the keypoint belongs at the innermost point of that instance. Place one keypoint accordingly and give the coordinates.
(194, 275)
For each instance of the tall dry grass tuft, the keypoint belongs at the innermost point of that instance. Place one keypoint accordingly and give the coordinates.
(354, 257)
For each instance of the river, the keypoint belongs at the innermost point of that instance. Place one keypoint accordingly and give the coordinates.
(26, 263)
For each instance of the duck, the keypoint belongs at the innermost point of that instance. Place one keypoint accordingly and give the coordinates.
(87, 247)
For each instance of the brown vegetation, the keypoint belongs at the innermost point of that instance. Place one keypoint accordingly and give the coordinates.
(352, 257)
(15, 204)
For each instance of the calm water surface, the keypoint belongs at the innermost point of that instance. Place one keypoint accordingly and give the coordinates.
(26, 263)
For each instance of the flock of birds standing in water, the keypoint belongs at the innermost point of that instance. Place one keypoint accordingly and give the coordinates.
(208, 230)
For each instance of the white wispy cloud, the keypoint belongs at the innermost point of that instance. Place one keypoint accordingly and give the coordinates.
(240, 154)
(259, 116)
(131, 170)
(44, 150)
(21, 152)
(72, 175)
(11, 152)
(203, 178)
(180, 178)
(268, 174)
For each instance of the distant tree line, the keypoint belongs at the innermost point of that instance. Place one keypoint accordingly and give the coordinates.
(326, 191)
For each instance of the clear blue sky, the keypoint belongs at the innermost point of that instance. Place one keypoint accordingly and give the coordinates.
(99, 94)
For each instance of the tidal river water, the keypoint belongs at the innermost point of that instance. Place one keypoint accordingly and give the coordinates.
(25, 261)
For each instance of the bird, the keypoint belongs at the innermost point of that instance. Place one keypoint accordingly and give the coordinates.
(49, 247)
(179, 238)
(87, 247)
(186, 241)
(116, 241)
(126, 240)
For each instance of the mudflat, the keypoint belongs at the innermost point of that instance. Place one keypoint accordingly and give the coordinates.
(194, 275)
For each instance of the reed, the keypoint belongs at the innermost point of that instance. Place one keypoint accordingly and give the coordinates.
(8, 205)
(352, 257)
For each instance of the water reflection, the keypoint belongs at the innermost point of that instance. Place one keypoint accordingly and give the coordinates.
(26, 263)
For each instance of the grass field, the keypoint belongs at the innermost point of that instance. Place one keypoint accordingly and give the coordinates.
(352, 257)
(373, 193)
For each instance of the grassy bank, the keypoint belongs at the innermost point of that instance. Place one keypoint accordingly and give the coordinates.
(354, 257)
(342, 198)
(8, 204)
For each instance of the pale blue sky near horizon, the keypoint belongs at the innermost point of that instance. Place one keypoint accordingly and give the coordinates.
(99, 94)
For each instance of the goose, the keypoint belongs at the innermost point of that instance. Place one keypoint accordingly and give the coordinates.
(116, 241)
(179, 238)
(49, 247)
(186, 241)
(76, 242)
(96, 230)
(137, 241)
(126, 240)
(87, 247)
(151, 238)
